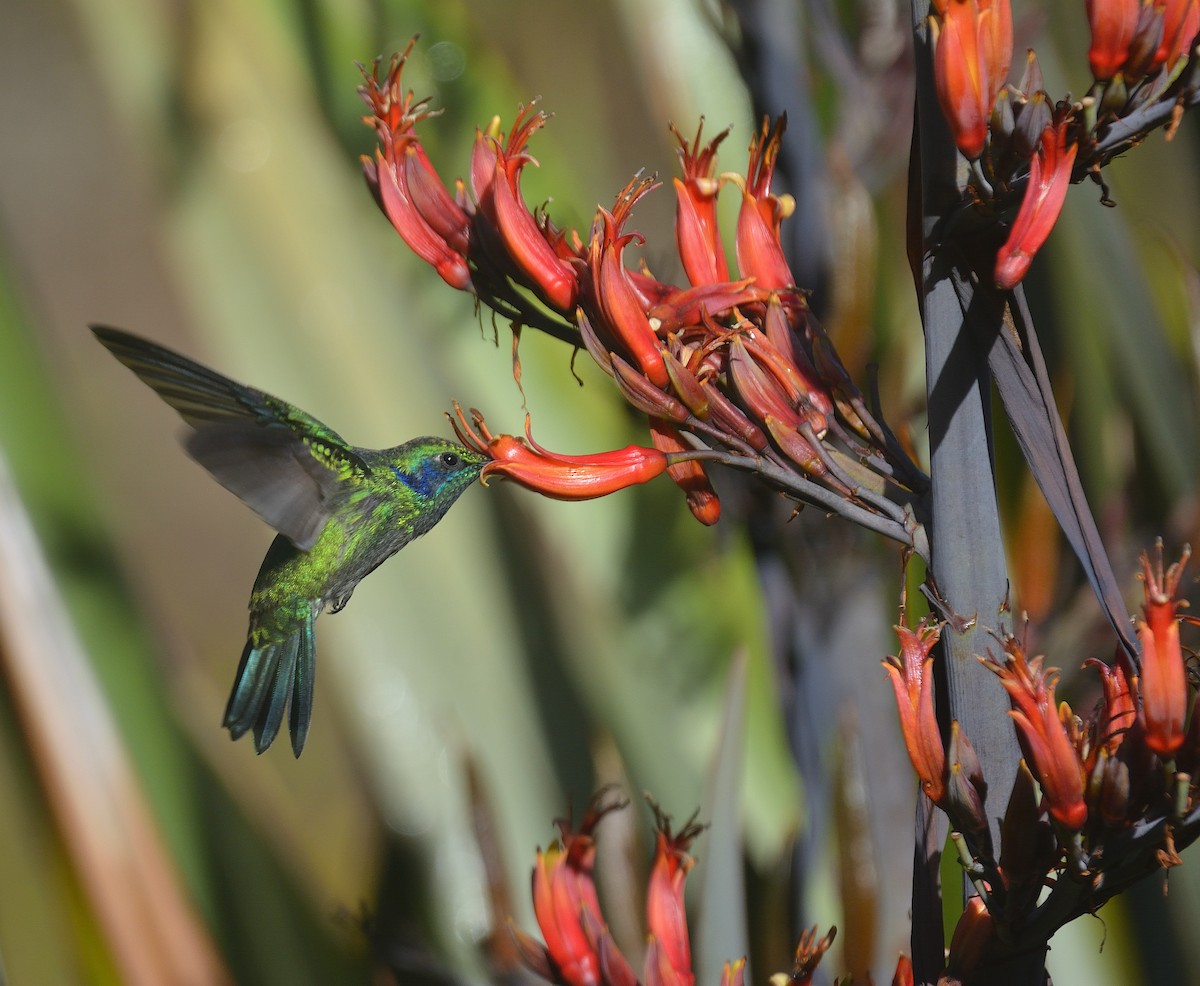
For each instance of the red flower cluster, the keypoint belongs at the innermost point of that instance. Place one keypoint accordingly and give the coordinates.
(1137, 39)
(579, 949)
(1084, 789)
(1106, 773)
(1028, 149)
(734, 366)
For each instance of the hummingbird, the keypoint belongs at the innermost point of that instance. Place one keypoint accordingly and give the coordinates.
(340, 511)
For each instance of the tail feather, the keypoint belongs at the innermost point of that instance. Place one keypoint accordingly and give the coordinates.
(270, 712)
(300, 714)
(269, 679)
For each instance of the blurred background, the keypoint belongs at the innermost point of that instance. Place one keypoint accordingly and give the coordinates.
(188, 171)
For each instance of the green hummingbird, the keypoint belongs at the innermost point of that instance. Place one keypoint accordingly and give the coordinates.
(340, 511)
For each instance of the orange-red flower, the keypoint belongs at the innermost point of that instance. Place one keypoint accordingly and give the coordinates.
(696, 232)
(530, 243)
(1042, 730)
(616, 307)
(759, 253)
(1113, 24)
(579, 950)
(403, 181)
(1166, 31)
(972, 52)
(912, 678)
(1180, 24)
(1049, 177)
(560, 477)
(738, 366)
(481, 245)
(1163, 682)
(669, 951)
(1119, 710)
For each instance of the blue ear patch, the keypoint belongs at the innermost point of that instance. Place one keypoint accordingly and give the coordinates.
(414, 483)
(426, 480)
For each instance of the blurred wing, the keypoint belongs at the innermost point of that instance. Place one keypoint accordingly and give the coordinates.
(287, 466)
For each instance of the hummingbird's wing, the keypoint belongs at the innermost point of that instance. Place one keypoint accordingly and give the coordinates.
(287, 466)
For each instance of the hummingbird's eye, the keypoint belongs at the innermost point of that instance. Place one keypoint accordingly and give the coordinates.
(449, 460)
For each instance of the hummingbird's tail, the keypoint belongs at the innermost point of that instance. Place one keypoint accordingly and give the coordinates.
(269, 679)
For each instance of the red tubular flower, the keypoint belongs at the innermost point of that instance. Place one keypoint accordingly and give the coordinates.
(1049, 177)
(1113, 24)
(528, 242)
(912, 678)
(669, 955)
(958, 75)
(403, 181)
(731, 419)
(972, 42)
(687, 385)
(780, 323)
(1041, 727)
(1165, 33)
(1119, 710)
(617, 305)
(759, 253)
(696, 232)
(1163, 683)
(560, 477)
(563, 892)
(578, 949)
(995, 28)
(389, 182)
(1180, 24)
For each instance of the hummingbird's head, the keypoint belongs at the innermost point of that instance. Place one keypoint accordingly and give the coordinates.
(435, 469)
